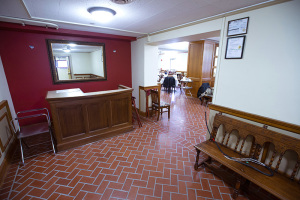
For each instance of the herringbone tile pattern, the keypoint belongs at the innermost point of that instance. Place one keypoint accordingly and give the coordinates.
(152, 162)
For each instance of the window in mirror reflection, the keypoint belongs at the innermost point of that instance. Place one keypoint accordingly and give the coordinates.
(77, 61)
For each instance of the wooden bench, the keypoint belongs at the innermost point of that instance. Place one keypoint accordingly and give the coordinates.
(242, 139)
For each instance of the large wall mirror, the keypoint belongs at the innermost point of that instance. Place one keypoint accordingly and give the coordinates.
(74, 61)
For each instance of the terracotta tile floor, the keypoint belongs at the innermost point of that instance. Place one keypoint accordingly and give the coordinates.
(152, 162)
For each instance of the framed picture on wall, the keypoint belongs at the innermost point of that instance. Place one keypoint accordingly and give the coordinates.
(235, 47)
(238, 26)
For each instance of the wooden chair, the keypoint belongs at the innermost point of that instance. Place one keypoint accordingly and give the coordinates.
(186, 87)
(157, 105)
(137, 116)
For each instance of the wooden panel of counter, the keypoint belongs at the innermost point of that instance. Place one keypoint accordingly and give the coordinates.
(80, 118)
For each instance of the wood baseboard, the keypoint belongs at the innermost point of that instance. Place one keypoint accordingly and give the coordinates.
(142, 113)
(7, 160)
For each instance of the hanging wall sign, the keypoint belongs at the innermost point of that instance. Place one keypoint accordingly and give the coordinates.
(238, 26)
(235, 47)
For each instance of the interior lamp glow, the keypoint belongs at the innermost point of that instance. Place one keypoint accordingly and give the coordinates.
(72, 44)
(102, 14)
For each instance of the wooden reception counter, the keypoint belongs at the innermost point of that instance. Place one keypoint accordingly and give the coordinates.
(80, 118)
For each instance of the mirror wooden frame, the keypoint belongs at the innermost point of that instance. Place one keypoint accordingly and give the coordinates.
(52, 64)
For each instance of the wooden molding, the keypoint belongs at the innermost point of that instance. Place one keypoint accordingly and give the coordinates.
(6, 161)
(257, 118)
(8, 117)
(89, 75)
(148, 87)
(9, 152)
(3, 104)
(3, 146)
(124, 87)
(142, 113)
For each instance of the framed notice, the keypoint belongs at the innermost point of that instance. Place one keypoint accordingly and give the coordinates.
(238, 26)
(235, 47)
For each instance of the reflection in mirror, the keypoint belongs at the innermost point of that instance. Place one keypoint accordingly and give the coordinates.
(76, 61)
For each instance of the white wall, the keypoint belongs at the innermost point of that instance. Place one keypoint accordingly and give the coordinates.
(179, 64)
(97, 62)
(137, 66)
(81, 63)
(266, 81)
(151, 72)
(5, 95)
(63, 73)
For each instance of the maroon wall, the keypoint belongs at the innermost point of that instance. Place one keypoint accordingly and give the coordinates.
(28, 70)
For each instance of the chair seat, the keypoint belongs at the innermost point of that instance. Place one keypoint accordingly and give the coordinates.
(34, 129)
(162, 104)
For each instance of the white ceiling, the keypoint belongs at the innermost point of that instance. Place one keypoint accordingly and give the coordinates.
(178, 46)
(140, 16)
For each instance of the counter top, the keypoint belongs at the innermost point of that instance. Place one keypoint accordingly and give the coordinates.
(64, 93)
(77, 92)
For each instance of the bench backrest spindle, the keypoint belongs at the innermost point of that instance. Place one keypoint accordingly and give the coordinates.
(253, 149)
(279, 161)
(272, 159)
(214, 132)
(228, 139)
(258, 151)
(295, 170)
(237, 143)
(223, 139)
(265, 152)
(259, 147)
(242, 146)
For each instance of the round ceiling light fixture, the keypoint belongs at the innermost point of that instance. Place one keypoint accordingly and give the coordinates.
(122, 1)
(102, 14)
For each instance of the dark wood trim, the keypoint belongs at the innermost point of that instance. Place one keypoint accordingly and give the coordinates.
(244, 38)
(257, 118)
(89, 75)
(237, 20)
(3, 146)
(124, 87)
(9, 152)
(52, 64)
(6, 161)
(8, 116)
(3, 104)
(148, 87)
(142, 113)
